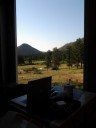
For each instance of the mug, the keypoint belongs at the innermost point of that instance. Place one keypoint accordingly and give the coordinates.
(68, 89)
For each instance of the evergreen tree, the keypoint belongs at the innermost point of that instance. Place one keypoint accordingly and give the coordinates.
(69, 56)
(56, 58)
(79, 52)
(48, 59)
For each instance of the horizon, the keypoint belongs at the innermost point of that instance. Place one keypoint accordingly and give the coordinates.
(47, 24)
(47, 50)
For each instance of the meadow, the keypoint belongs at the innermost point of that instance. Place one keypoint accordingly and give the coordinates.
(59, 77)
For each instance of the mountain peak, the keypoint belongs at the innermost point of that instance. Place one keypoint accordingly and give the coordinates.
(24, 44)
(27, 50)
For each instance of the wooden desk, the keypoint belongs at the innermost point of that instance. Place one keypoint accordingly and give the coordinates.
(81, 117)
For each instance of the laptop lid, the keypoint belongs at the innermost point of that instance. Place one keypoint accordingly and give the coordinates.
(38, 93)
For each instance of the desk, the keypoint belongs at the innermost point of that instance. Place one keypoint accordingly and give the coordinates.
(13, 119)
(81, 117)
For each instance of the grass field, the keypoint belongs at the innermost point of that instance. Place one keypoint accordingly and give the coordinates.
(60, 77)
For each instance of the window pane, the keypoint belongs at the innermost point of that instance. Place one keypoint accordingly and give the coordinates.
(50, 40)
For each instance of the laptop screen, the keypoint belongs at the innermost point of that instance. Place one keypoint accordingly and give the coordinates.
(38, 92)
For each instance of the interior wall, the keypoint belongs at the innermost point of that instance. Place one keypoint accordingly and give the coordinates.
(8, 43)
(90, 46)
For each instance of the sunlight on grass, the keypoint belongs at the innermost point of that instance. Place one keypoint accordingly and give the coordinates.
(60, 77)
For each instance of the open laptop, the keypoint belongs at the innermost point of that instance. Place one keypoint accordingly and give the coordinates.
(38, 94)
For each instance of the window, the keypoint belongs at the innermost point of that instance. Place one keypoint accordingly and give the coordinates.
(6, 66)
(48, 28)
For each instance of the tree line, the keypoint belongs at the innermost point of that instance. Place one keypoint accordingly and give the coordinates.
(71, 54)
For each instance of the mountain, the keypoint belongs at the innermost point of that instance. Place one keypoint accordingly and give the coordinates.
(63, 48)
(80, 40)
(27, 50)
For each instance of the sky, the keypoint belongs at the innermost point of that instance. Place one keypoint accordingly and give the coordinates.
(46, 24)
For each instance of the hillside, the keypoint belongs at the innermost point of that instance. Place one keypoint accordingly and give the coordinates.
(27, 50)
(63, 48)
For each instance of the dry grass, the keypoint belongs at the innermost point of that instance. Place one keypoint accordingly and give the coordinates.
(61, 76)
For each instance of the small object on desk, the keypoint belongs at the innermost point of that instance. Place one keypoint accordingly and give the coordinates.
(54, 93)
(63, 107)
(68, 89)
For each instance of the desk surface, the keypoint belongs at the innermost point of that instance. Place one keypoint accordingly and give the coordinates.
(88, 104)
(76, 95)
(82, 115)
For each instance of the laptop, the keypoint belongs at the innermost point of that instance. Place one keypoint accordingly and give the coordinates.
(38, 94)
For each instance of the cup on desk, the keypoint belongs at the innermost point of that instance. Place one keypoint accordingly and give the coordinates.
(68, 89)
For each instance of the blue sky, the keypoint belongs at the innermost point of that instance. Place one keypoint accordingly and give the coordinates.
(45, 24)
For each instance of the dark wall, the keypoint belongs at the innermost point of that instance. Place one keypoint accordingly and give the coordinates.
(90, 46)
(8, 44)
